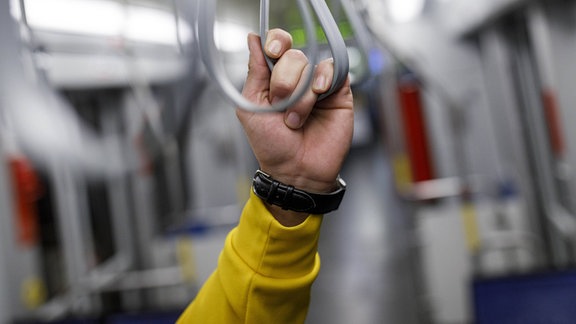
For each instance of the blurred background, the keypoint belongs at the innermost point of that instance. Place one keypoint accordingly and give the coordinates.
(122, 167)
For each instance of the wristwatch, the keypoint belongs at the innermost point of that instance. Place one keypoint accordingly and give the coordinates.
(289, 198)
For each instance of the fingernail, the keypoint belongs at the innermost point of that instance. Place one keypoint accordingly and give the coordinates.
(320, 83)
(274, 47)
(293, 120)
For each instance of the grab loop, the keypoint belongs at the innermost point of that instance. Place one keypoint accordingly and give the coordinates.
(215, 68)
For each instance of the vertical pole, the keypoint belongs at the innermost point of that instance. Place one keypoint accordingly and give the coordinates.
(18, 263)
(528, 87)
(6, 213)
(8, 48)
(71, 212)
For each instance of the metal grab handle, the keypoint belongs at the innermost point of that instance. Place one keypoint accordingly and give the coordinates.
(209, 52)
(363, 39)
(335, 41)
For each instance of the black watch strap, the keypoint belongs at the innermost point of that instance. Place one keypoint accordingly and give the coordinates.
(289, 198)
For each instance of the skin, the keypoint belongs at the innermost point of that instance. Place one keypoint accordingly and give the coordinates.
(306, 145)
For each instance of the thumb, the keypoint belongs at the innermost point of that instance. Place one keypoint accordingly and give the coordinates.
(258, 80)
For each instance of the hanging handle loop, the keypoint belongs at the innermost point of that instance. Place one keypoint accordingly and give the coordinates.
(333, 36)
(209, 52)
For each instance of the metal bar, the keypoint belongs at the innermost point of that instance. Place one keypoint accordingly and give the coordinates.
(117, 188)
(540, 153)
(71, 231)
(6, 235)
(363, 38)
(140, 280)
(9, 49)
(18, 263)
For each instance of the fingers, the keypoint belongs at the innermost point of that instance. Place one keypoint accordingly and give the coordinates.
(323, 76)
(265, 87)
(297, 115)
(257, 85)
(287, 74)
(258, 79)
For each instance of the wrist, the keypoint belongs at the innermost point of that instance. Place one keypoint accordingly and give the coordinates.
(289, 218)
(276, 193)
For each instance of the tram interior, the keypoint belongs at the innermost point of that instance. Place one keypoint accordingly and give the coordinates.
(123, 167)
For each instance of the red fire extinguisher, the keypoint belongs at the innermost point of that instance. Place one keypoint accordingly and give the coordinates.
(415, 128)
(26, 190)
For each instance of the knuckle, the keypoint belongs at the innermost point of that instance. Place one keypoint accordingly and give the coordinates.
(297, 55)
(283, 85)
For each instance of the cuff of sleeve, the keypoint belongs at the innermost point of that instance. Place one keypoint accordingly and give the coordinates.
(273, 250)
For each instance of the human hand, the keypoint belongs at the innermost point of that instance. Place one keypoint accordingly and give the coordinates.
(305, 146)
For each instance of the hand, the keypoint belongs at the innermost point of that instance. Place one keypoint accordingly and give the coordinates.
(305, 146)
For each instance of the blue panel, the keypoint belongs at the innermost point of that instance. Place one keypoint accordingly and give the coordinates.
(64, 321)
(547, 298)
(156, 318)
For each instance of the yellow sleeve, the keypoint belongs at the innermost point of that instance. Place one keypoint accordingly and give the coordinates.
(264, 273)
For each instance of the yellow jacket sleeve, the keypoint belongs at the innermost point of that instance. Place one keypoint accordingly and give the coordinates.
(264, 272)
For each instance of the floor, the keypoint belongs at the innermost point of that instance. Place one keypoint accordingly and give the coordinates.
(368, 272)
